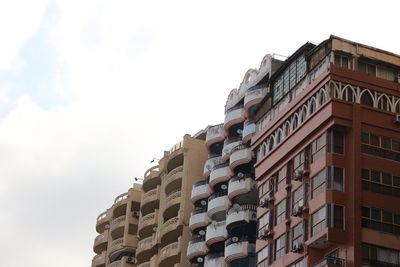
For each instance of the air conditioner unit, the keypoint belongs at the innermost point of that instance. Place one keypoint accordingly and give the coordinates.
(264, 202)
(297, 247)
(135, 214)
(397, 119)
(298, 175)
(130, 260)
(297, 210)
(262, 234)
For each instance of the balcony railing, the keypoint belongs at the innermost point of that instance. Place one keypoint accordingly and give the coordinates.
(169, 225)
(117, 220)
(168, 251)
(196, 247)
(214, 132)
(120, 198)
(213, 260)
(333, 261)
(216, 232)
(209, 165)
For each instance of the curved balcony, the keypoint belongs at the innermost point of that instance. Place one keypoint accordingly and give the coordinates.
(249, 129)
(215, 134)
(99, 260)
(253, 97)
(102, 220)
(121, 245)
(147, 224)
(241, 184)
(175, 157)
(170, 230)
(198, 219)
(238, 247)
(145, 249)
(200, 190)
(150, 201)
(215, 259)
(217, 205)
(173, 180)
(209, 165)
(119, 207)
(172, 203)
(100, 243)
(117, 227)
(228, 146)
(196, 248)
(240, 154)
(151, 179)
(169, 255)
(216, 232)
(233, 116)
(240, 214)
(220, 173)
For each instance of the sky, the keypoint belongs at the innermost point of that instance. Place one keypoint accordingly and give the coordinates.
(92, 91)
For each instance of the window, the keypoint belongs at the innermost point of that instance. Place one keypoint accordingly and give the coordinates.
(280, 211)
(380, 182)
(369, 69)
(336, 141)
(381, 220)
(280, 246)
(336, 212)
(281, 178)
(265, 188)
(264, 221)
(301, 263)
(343, 61)
(301, 160)
(379, 256)
(298, 233)
(329, 178)
(298, 197)
(380, 146)
(263, 257)
(318, 221)
(376, 70)
(318, 147)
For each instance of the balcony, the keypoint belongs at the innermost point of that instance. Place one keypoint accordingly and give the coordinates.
(196, 248)
(240, 154)
(117, 227)
(240, 214)
(249, 129)
(216, 232)
(169, 255)
(125, 261)
(100, 243)
(200, 190)
(198, 219)
(119, 207)
(121, 245)
(233, 116)
(151, 179)
(145, 264)
(173, 180)
(241, 184)
(170, 230)
(332, 262)
(172, 203)
(147, 224)
(217, 205)
(238, 247)
(216, 259)
(102, 220)
(99, 260)
(253, 97)
(150, 201)
(220, 173)
(209, 165)
(228, 146)
(145, 249)
(215, 134)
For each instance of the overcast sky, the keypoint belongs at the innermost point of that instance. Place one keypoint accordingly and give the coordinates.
(91, 91)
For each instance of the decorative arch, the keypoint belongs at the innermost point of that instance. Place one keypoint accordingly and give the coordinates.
(384, 102)
(367, 98)
(312, 106)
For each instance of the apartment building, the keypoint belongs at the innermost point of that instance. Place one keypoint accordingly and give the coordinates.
(165, 205)
(117, 241)
(328, 158)
(224, 220)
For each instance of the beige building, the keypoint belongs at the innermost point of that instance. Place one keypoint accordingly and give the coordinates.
(117, 241)
(165, 205)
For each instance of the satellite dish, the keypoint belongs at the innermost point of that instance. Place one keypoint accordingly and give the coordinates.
(203, 203)
(224, 187)
(240, 175)
(202, 232)
(235, 239)
(200, 259)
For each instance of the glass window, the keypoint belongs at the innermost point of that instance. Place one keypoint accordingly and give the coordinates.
(298, 197)
(318, 147)
(281, 211)
(318, 221)
(281, 178)
(280, 246)
(297, 234)
(318, 183)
